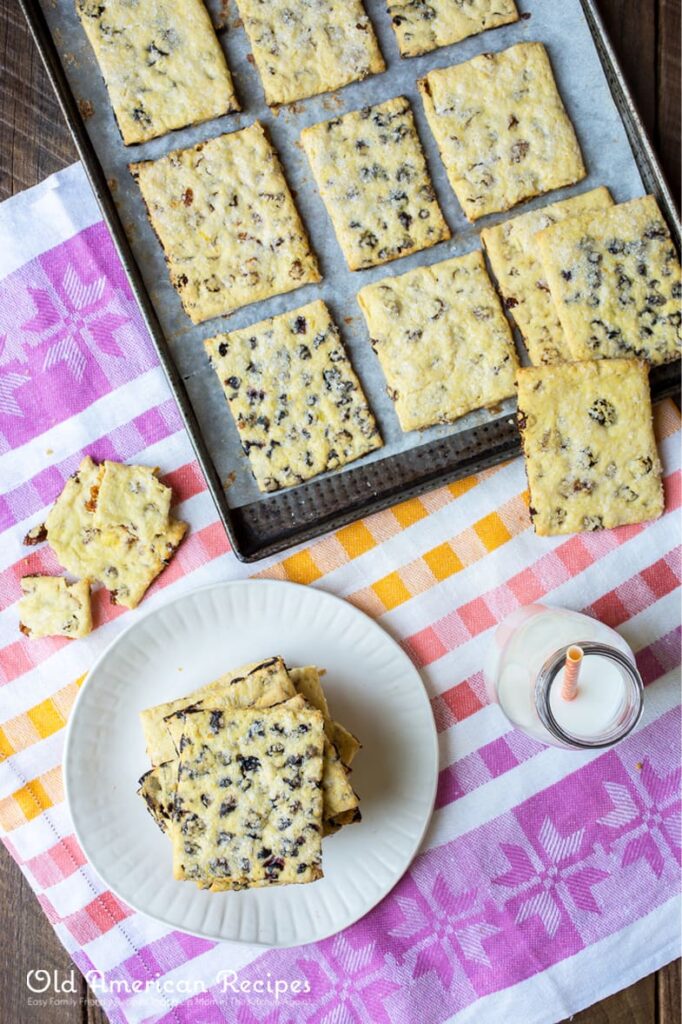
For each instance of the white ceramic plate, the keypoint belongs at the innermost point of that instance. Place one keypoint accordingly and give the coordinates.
(372, 687)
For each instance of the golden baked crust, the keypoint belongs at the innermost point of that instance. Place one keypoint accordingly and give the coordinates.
(161, 61)
(249, 800)
(442, 339)
(227, 223)
(589, 445)
(295, 398)
(514, 255)
(421, 27)
(502, 130)
(615, 281)
(305, 47)
(52, 607)
(372, 175)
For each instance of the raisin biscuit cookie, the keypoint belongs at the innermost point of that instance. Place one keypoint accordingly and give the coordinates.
(52, 607)
(372, 175)
(161, 61)
(515, 258)
(125, 563)
(308, 684)
(305, 47)
(297, 403)
(615, 280)
(421, 27)
(589, 445)
(501, 128)
(260, 684)
(442, 339)
(227, 223)
(249, 797)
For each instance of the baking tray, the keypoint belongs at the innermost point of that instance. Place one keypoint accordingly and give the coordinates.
(259, 525)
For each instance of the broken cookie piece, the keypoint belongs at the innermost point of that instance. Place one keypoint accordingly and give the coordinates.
(91, 546)
(52, 607)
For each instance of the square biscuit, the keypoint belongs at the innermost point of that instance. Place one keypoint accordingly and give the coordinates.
(370, 169)
(162, 64)
(515, 258)
(52, 607)
(294, 396)
(248, 804)
(442, 339)
(614, 276)
(501, 128)
(589, 445)
(258, 684)
(421, 27)
(302, 49)
(227, 223)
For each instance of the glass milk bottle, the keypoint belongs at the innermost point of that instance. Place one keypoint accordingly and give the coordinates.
(525, 674)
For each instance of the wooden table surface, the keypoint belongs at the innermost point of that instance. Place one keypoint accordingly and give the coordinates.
(34, 142)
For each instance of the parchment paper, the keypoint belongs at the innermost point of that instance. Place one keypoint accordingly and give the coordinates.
(561, 26)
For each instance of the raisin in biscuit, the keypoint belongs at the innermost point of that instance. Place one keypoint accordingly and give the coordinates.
(421, 27)
(514, 255)
(372, 175)
(589, 445)
(305, 47)
(125, 563)
(260, 684)
(615, 280)
(161, 61)
(442, 339)
(501, 128)
(297, 403)
(52, 607)
(227, 223)
(249, 797)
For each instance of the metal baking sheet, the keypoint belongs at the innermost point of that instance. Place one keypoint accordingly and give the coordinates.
(616, 152)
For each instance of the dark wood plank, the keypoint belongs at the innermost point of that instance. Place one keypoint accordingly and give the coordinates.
(669, 1001)
(667, 134)
(634, 1005)
(34, 143)
(631, 25)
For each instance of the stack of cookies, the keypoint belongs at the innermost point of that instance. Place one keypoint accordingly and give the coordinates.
(248, 774)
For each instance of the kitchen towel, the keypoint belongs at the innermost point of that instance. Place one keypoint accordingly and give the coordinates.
(547, 880)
